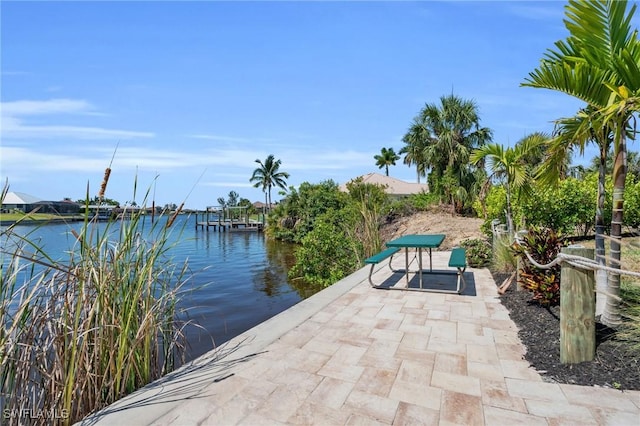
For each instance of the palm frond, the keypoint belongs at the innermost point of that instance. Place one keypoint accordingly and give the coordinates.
(583, 81)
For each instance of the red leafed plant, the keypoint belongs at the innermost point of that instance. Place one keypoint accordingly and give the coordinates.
(543, 245)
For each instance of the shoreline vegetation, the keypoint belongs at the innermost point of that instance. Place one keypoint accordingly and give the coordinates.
(80, 333)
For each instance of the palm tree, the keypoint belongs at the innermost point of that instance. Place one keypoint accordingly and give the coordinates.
(386, 158)
(576, 132)
(599, 63)
(415, 140)
(452, 131)
(267, 176)
(511, 165)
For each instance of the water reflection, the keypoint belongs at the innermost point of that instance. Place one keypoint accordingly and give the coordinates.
(239, 279)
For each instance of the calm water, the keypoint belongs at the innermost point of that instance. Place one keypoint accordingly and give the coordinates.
(239, 279)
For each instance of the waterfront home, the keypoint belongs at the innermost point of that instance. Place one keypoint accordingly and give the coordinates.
(393, 187)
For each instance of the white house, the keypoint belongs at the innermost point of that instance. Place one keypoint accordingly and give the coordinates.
(394, 187)
(20, 201)
(28, 203)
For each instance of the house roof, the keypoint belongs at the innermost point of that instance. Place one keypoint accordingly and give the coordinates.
(394, 186)
(260, 204)
(20, 198)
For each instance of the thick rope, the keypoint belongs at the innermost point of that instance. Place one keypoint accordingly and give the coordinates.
(578, 262)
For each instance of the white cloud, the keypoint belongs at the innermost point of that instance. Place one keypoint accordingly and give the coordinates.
(14, 73)
(15, 129)
(52, 106)
(14, 125)
(24, 159)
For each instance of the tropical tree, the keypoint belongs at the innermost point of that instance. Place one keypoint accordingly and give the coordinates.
(599, 63)
(386, 158)
(574, 133)
(416, 140)
(267, 176)
(633, 164)
(232, 199)
(511, 165)
(450, 132)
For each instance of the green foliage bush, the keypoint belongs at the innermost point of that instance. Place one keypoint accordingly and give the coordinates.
(632, 204)
(327, 254)
(478, 252)
(399, 208)
(335, 230)
(494, 207)
(423, 200)
(543, 245)
(569, 207)
(295, 216)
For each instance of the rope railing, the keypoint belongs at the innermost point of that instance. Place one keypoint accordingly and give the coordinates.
(578, 262)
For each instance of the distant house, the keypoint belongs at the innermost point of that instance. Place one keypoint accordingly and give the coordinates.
(260, 206)
(28, 203)
(20, 201)
(394, 187)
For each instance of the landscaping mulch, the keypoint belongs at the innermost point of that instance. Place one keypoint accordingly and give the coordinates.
(614, 366)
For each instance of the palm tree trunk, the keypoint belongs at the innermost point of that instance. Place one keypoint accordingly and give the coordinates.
(611, 316)
(509, 218)
(269, 199)
(266, 202)
(601, 275)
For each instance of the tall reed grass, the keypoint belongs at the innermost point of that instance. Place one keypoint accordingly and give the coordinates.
(79, 333)
(630, 293)
(503, 258)
(368, 201)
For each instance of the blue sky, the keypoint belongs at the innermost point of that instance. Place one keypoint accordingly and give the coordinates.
(194, 92)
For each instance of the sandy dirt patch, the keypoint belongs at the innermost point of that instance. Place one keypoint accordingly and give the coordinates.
(456, 228)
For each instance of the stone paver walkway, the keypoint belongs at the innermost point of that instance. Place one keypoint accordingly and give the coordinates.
(354, 355)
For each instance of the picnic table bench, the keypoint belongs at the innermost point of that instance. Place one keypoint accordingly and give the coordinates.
(457, 260)
(379, 257)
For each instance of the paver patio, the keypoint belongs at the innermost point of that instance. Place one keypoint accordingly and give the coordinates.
(353, 355)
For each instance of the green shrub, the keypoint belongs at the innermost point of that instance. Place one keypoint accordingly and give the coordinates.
(478, 252)
(568, 208)
(494, 207)
(295, 216)
(399, 208)
(424, 200)
(327, 254)
(340, 238)
(632, 204)
(543, 245)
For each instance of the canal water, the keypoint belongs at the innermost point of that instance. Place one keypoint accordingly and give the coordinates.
(236, 279)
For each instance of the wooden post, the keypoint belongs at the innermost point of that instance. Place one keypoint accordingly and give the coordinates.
(577, 310)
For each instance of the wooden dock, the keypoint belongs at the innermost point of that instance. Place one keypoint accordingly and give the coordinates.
(217, 220)
(223, 226)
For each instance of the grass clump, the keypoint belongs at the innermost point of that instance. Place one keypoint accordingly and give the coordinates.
(630, 293)
(79, 333)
